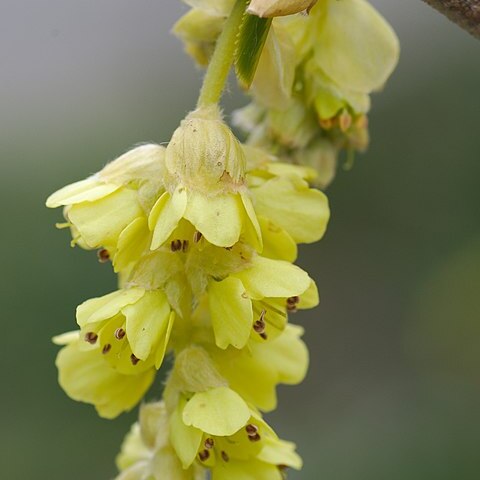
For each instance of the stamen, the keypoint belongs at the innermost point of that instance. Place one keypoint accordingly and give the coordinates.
(176, 245)
(209, 443)
(119, 333)
(91, 337)
(134, 359)
(291, 308)
(204, 455)
(293, 300)
(259, 326)
(197, 236)
(264, 335)
(251, 429)
(103, 255)
(106, 348)
(254, 438)
(225, 456)
(184, 246)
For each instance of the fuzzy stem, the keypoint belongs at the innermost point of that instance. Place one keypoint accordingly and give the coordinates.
(222, 59)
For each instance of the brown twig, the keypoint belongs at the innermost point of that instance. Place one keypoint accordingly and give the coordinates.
(465, 13)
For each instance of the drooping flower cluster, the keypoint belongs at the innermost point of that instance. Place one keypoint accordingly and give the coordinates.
(204, 254)
(203, 235)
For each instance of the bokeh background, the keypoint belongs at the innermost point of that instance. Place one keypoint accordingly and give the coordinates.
(393, 389)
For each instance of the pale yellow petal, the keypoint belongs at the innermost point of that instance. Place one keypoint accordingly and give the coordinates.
(146, 323)
(251, 228)
(185, 439)
(356, 47)
(302, 211)
(132, 242)
(87, 190)
(231, 312)
(218, 218)
(310, 297)
(277, 243)
(165, 215)
(101, 222)
(273, 278)
(87, 377)
(280, 452)
(103, 308)
(219, 411)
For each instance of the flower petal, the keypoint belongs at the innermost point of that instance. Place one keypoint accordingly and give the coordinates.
(219, 411)
(218, 218)
(303, 212)
(185, 439)
(103, 308)
(100, 222)
(231, 312)
(273, 278)
(357, 48)
(146, 323)
(132, 242)
(87, 190)
(165, 215)
(87, 377)
(277, 243)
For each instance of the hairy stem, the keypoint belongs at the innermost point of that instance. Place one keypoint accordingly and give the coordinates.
(465, 13)
(222, 59)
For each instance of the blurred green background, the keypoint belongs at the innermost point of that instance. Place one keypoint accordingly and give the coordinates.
(394, 384)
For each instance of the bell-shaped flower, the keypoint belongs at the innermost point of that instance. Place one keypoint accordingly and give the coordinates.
(217, 430)
(205, 182)
(146, 452)
(254, 302)
(129, 328)
(86, 377)
(255, 371)
(109, 209)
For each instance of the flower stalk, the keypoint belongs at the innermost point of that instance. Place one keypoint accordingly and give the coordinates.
(222, 59)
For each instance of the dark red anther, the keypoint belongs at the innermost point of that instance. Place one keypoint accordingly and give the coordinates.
(91, 337)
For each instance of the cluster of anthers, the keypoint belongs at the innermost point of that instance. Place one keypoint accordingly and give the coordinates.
(203, 235)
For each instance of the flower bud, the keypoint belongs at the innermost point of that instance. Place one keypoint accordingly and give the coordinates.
(204, 155)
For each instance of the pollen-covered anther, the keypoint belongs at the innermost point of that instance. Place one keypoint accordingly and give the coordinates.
(134, 359)
(259, 325)
(225, 456)
(91, 337)
(185, 246)
(264, 336)
(204, 455)
(251, 429)
(254, 438)
(209, 443)
(119, 333)
(176, 245)
(197, 236)
(103, 255)
(292, 303)
(106, 348)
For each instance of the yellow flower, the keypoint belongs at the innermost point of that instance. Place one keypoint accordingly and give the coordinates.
(205, 182)
(217, 429)
(109, 209)
(200, 27)
(255, 371)
(130, 328)
(254, 302)
(146, 451)
(86, 377)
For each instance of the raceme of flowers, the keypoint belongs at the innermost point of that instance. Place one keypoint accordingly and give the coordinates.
(203, 235)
